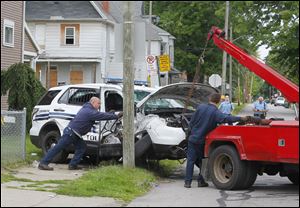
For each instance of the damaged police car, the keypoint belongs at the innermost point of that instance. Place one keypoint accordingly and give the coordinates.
(158, 119)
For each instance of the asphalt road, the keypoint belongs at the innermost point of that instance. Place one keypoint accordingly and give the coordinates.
(267, 191)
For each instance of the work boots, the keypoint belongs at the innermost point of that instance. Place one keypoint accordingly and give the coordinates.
(202, 183)
(187, 184)
(44, 167)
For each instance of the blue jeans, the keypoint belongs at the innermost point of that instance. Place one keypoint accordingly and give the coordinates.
(195, 153)
(69, 137)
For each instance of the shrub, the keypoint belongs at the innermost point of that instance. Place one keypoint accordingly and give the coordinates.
(24, 90)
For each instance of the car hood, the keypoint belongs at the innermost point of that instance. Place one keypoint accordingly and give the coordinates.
(180, 91)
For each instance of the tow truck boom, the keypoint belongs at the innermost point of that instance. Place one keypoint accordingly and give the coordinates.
(287, 88)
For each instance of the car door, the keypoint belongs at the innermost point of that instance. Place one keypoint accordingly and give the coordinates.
(71, 102)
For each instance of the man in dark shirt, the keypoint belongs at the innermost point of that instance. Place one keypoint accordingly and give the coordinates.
(80, 125)
(205, 119)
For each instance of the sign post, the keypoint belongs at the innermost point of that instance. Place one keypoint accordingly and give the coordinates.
(152, 70)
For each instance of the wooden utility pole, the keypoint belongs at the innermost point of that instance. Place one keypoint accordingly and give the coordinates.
(224, 63)
(128, 85)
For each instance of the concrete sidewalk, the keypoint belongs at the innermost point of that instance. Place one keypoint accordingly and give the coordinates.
(14, 195)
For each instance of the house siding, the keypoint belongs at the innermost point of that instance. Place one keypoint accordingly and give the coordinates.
(92, 40)
(11, 10)
(28, 45)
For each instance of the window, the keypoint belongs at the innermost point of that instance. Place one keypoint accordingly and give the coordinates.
(113, 101)
(48, 97)
(70, 36)
(78, 96)
(8, 29)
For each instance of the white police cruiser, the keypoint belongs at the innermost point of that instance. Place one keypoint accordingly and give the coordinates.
(60, 105)
(159, 133)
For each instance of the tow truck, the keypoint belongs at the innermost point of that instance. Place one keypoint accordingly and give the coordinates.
(237, 154)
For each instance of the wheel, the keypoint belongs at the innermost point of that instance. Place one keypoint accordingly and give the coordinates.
(49, 141)
(227, 170)
(142, 145)
(294, 178)
(251, 175)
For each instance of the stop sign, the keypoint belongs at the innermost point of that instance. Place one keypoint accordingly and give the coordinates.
(215, 80)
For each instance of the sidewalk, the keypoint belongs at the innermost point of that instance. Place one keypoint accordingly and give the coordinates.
(14, 195)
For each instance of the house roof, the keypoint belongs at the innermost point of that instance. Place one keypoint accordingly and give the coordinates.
(44, 10)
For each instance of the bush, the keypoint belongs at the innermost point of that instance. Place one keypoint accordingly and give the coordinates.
(24, 90)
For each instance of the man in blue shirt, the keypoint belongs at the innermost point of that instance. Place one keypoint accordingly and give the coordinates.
(204, 120)
(260, 108)
(80, 125)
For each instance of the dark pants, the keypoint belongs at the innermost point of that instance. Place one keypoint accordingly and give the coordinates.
(69, 137)
(195, 153)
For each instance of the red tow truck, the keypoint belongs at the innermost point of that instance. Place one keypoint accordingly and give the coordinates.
(237, 154)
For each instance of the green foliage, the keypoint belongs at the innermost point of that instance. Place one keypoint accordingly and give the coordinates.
(255, 23)
(24, 88)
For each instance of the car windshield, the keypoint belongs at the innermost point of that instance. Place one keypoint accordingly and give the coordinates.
(163, 103)
(280, 98)
(139, 95)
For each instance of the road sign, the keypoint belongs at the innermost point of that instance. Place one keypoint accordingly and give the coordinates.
(215, 80)
(151, 64)
(164, 63)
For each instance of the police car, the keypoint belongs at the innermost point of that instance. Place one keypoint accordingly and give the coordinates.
(60, 105)
(159, 133)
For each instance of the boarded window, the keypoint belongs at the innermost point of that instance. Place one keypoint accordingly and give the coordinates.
(76, 74)
(8, 28)
(70, 34)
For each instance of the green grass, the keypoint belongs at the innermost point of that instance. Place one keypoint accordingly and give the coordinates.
(111, 181)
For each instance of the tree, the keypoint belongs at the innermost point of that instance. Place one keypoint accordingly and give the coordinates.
(23, 88)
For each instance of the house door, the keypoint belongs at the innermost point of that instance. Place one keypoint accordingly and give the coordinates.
(53, 76)
(38, 68)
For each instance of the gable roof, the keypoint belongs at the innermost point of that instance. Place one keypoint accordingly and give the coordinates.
(44, 10)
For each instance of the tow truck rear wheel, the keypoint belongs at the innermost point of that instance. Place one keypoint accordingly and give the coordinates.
(227, 171)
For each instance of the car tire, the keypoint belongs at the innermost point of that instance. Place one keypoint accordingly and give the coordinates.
(226, 169)
(294, 178)
(142, 146)
(50, 140)
(251, 175)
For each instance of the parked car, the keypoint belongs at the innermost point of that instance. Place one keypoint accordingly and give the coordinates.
(279, 101)
(158, 125)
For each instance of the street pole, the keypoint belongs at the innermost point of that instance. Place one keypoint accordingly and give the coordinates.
(150, 22)
(230, 68)
(128, 85)
(224, 63)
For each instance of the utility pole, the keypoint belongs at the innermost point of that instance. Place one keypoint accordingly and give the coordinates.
(230, 68)
(150, 22)
(224, 63)
(128, 85)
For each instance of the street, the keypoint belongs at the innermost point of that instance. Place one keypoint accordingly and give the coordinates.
(267, 191)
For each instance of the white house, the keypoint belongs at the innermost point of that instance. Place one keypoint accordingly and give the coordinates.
(82, 41)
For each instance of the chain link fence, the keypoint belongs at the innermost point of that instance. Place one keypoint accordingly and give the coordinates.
(13, 133)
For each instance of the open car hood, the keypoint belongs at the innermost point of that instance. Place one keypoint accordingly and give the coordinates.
(180, 91)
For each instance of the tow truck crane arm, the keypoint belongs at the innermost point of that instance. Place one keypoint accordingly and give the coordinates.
(286, 87)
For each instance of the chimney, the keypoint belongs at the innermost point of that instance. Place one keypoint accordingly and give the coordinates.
(105, 6)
